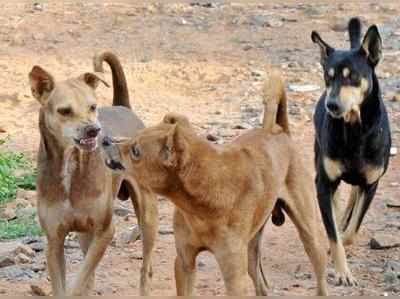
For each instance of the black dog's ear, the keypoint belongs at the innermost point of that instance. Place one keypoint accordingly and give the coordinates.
(372, 45)
(326, 50)
(354, 28)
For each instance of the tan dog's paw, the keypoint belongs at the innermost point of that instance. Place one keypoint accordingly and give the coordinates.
(345, 279)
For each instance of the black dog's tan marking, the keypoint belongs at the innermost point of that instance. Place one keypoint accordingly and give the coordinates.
(352, 136)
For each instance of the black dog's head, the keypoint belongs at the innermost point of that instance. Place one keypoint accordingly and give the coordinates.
(349, 74)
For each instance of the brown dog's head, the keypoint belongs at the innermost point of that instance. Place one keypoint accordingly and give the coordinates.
(154, 156)
(69, 107)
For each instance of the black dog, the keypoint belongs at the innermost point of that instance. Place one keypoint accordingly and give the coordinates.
(352, 141)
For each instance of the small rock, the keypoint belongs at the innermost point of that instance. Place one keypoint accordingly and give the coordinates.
(274, 23)
(211, 137)
(303, 88)
(26, 250)
(6, 261)
(166, 231)
(38, 290)
(392, 266)
(393, 151)
(37, 6)
(26, 212)
(122, 211)
(8, 214)
(247, 47)
(26, 194)
(16, 273)
(390, 277)
(38, 246)
(38, 267)
(23, 259)
(396, 98)
(257, 73)
(243, 126)
(136, 256)
(383, 241)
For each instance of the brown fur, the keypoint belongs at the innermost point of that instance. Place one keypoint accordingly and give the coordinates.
(224, 195)
(75, 188)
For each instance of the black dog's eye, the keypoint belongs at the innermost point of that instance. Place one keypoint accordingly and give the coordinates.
(65, 111)
(93, 108)
(136, 152)
(355, 78)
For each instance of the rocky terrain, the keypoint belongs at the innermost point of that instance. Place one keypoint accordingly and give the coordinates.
(205, 59)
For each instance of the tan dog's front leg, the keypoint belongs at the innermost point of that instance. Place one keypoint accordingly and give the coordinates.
(94, 254)
(149, 228)
(56, 264)
(85, 240)
(233, 262)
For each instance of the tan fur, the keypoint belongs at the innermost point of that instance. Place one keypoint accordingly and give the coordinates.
(75, 188)
(223, 196)
(332, 168)
(352, 97)
(275, 103)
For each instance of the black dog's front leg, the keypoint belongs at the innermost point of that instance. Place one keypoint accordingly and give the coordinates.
(326, 190)
(360, 208)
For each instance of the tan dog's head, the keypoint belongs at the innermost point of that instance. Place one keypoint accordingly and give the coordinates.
(69, 107)
(154, 156)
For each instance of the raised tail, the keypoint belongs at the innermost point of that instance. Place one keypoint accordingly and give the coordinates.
(275, 102)
(354, 28)
(120, 87)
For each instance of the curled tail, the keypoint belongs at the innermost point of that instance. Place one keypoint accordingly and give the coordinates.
(120, 87)
(354, 28)
(275, 103)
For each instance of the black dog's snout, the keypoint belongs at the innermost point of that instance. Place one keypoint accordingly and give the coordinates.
(92, 131)
(333, 107)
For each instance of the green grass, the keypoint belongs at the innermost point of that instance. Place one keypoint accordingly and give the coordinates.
(16, 172)
(19, 227)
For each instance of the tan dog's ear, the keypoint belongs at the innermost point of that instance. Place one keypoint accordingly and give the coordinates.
(93, 79)
(42, 83)
(176, 148)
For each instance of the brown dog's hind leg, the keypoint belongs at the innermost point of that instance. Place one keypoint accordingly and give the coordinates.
(85, 240)
(56, 265)
(148, 222)
(256, 271)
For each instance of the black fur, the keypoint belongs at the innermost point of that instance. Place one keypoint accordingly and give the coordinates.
(353, 144)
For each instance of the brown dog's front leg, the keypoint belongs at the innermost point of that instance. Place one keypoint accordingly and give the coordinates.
(149, 228)
(94, 254)
(56, 265)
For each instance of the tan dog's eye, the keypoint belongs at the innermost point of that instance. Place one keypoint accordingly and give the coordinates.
(65, 111)
(136, 152)
(93, 108)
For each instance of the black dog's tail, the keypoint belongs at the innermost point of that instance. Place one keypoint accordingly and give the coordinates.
(355, 32)
(120, 87)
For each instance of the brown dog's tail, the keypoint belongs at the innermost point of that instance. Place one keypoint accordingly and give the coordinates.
(121, 94)
(275, 102)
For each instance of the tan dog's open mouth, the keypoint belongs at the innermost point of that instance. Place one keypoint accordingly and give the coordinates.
(87, 144)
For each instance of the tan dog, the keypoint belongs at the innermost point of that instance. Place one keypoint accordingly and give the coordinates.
(75, 188)
(225, 194)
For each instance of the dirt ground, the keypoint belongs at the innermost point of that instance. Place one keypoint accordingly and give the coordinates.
(206, 61)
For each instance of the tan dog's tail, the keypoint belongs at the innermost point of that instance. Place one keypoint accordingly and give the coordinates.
(121, 94)
(275, 102)
(176, 118)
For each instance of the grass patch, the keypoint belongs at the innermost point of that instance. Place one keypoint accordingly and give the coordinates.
(19, 227)
(16, 172)
(10, 165)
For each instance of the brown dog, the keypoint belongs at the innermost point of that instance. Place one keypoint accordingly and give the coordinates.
(225, 194)
(75, 188)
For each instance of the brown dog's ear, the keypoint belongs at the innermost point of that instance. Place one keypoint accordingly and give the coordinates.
(176, 149)
(93, 79)
(325, 49)
(42, 83)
